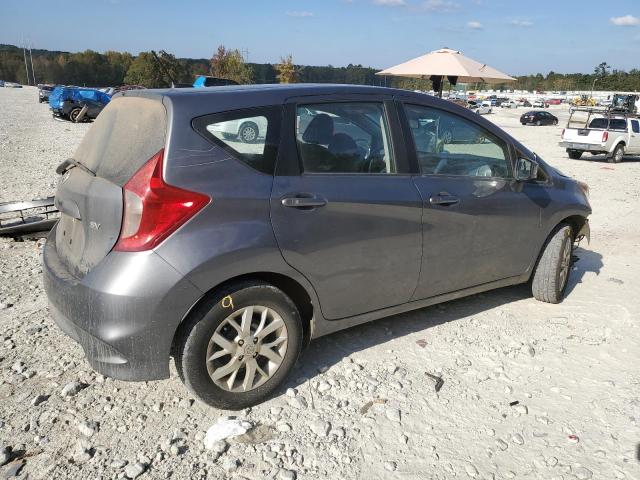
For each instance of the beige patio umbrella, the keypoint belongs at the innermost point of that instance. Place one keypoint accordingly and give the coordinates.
(452, 64)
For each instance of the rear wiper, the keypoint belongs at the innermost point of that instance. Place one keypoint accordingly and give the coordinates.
(70, 163)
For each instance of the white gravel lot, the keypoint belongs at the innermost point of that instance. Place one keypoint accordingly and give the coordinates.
(359, 404)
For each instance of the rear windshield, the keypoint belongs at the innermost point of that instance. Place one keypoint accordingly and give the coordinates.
(127, 133)
(614, 124)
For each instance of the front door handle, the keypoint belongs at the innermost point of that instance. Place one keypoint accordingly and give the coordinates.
(444, 199)
(303, 201)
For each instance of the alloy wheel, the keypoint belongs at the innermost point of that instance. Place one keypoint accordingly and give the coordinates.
(247, 348)
(248, 134)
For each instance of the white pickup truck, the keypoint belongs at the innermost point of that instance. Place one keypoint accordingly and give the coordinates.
(614, 135)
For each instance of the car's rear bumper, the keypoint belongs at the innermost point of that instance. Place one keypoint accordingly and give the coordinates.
(124, 313)
(587, 147)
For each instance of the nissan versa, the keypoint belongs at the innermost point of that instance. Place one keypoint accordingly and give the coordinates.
(230, 253)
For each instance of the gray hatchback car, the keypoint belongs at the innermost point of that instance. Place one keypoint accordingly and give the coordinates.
(348, 204)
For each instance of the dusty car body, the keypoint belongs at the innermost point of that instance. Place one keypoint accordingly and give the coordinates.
(230, 256)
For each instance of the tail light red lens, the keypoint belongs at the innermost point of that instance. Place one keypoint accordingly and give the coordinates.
(605, 136)
(153, 210)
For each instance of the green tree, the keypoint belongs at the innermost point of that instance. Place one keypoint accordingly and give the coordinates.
(147, 71)
(601, 70)
(229, 64)
(287, 72)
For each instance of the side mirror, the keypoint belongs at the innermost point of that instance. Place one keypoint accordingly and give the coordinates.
(526, 170)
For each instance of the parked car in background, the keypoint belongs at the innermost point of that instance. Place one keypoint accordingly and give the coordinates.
(458, 101)
(111, 91)
(540, 104)
(554, 101)
(207, 81)
(538, 118)
(177, 242)
(77, 104)
(614, 135)
(43, 92)
(12, 85)
(481, 108)
(523, 102)
(509, 104)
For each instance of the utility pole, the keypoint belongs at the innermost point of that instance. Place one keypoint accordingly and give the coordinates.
(24, 52)
(33, 72)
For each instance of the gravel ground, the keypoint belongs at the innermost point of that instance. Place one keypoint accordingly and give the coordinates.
(360, 403)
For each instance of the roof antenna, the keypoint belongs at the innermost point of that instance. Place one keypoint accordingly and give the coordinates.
(164, 70)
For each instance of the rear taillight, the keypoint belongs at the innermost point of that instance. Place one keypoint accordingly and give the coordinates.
(153, 210)
(605, 136)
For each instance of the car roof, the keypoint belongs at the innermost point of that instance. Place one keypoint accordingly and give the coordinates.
(276, 90)
(209, 100)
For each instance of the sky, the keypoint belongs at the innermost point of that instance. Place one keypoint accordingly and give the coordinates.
(516, 36)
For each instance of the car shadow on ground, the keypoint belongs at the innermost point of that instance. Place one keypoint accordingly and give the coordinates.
(605, 159)
(587, 261)
(329, 350)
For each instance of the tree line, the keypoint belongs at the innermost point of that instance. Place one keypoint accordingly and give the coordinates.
(160, 69)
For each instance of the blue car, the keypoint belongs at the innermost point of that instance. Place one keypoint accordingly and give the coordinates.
(69, 102)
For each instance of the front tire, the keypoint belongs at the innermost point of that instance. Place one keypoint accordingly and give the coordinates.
(239, 346)
(574, 154)
(552, 272)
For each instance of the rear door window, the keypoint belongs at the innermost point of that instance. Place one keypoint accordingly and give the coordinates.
(447, 144)
(344, 138)
(618, 124)
(635, 125)
(251, 135)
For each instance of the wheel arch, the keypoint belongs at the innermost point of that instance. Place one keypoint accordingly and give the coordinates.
(576, 221)
(291, 287)
(615, 145)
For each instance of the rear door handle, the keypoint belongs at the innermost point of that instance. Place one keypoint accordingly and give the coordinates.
(444, 199)
(303, 201)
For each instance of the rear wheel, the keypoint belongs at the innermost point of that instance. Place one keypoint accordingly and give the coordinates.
(617, 155)
(574, 154)
(538, 123)
(555, 122)
(552, 272)
(248, 132)
(238, 347)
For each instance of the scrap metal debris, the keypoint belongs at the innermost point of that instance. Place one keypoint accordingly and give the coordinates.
(27, 217)
(438, 382)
